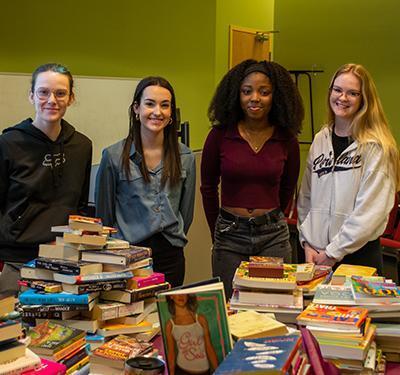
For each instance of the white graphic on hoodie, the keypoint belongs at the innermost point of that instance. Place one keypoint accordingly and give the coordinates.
(57, 160)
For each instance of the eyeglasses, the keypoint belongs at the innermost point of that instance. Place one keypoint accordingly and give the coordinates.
(338, 91)
(44, 93)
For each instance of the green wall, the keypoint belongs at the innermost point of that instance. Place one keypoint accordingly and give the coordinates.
(127, 38)
(326, 34)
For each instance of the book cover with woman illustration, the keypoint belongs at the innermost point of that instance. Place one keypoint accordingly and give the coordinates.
(195, 328)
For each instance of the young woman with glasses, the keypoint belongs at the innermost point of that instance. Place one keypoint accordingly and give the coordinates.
(351, 177)
(44, 172)
(145, 184)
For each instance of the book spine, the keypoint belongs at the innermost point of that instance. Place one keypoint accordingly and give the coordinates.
(139, 294)
(138, 255)
(53, 299)
(33, 309)
(42, 314)
(109, 276)
(96, 287)
(142, 282)
(65, 268)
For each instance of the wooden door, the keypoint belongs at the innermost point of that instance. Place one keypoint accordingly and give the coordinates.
(247, 43)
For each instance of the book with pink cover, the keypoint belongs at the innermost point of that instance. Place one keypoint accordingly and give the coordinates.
(48, 368)
(311, 347)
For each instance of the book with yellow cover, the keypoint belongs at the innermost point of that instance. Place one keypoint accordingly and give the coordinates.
(288, 282)
(348, 270)
(251, 325)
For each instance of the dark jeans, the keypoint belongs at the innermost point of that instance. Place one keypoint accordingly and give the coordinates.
(236, 238)
(369, 255)
(167, 259)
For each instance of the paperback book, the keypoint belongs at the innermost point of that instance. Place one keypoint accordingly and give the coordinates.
(122, 257)
(194, 326)
(133, 295)
(32, 297)
(68, 267)
(93, 277)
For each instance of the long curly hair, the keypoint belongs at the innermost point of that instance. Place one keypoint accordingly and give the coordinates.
(287, 109)
(171, 155)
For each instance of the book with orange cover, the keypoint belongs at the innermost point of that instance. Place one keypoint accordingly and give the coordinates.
(330, 316)
(115, 352)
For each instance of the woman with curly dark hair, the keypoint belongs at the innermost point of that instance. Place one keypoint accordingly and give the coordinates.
(252, 150)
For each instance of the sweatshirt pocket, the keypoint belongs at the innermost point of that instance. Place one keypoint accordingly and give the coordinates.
(315, 228)
(14, 225)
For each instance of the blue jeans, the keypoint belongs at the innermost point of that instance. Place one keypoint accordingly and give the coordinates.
(236, 238)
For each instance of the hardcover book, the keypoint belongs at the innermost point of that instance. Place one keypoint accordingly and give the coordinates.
(122, 257)
(68, 267)
(133, 295)
(329, 316)
(32, 297)
(115, 352)
(272, 355)
(194, 326)
(48, 337)
(93, 277)
(242, 278)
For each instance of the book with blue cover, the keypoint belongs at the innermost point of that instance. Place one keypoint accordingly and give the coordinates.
(33, 297)
(268, 355)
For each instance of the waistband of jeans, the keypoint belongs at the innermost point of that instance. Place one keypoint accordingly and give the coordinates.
(267, 218)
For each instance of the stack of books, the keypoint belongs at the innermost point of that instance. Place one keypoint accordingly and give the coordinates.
(110, 357)
(14, 356)
(344, 333)
(279, 295)
(84, 274)
(64, 345)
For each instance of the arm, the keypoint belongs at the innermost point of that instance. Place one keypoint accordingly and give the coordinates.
(373, 203)
(211, 354)
(105, 191)
(4, 178)
(290, 173)
(171, 355)
(304, 200)
(83, 200)
(210, 178)
(188, 194)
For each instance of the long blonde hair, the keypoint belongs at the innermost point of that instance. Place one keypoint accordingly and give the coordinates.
(370, 122)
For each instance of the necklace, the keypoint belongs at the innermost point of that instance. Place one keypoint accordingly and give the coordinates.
(261, 136)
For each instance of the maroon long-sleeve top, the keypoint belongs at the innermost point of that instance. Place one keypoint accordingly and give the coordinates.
(266, 179)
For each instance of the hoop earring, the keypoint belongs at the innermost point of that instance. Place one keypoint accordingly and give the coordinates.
(170, 121)
(137, 116)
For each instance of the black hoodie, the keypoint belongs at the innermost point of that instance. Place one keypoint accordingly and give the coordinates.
(41, 183)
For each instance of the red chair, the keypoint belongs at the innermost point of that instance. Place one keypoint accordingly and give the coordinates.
(390, 242)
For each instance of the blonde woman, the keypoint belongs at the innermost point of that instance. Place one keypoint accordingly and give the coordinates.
(351, 177)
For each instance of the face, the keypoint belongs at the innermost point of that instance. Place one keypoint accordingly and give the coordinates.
(56, 86)
(256, 96)
(345, 97)
(154, 109)
(180, 299)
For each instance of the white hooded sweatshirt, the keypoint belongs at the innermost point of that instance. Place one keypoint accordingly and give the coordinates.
(343, 205)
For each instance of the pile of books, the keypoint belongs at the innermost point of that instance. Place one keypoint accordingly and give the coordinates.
(345, 334)
(92, 282)
(268, 285)
(61, 348)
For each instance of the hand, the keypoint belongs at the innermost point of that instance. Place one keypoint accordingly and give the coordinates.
(310, 253)
(323, 259)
